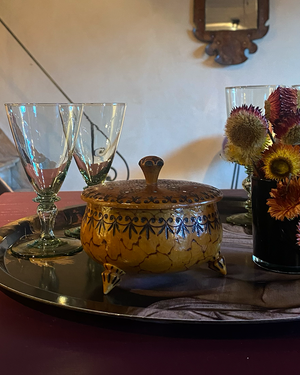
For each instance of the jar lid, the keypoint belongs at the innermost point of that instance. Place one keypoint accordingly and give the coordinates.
(151, 193)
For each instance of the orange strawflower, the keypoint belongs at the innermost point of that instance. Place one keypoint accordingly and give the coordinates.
(285, 200)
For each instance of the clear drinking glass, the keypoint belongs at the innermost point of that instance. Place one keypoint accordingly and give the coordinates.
(255, 95)
(97, 142)
(236, 97)
(45, 136)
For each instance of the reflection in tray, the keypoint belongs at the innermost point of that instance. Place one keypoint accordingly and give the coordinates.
(247, 294)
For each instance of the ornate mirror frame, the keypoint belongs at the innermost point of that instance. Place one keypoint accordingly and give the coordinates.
(229, 45)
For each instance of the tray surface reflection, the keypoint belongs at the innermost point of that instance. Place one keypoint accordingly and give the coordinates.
(247, 294)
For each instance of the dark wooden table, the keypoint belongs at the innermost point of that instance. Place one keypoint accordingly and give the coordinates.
(40, 339)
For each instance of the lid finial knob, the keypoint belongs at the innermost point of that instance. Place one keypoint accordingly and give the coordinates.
(151, 166)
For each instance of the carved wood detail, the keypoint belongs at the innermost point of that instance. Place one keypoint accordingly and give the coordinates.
(229, 46)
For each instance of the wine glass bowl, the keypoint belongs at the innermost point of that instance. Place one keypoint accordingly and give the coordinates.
(96, 144)
(97, 140)
(45, 135)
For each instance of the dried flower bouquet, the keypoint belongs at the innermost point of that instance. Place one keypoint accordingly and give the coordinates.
(270, 145)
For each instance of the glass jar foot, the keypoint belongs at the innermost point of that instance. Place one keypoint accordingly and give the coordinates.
(31, 246)
(73, 232)
(292, 270)
(240, 219)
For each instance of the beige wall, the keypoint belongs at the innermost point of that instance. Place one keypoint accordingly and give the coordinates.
(141, 52)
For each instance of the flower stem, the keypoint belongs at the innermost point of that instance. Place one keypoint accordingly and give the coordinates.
(257, 171)
(271, 136)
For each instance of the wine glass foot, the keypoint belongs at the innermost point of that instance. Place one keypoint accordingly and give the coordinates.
(33, 247)
(73, 232)
(243, 219)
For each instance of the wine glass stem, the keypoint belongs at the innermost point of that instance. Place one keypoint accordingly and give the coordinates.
(47, 212)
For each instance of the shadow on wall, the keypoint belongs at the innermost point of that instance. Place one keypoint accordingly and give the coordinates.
(220, 173)
(11, 170)
(200, 161)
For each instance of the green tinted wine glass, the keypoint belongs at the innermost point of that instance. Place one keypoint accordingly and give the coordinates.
(45, 136)
(96, 144)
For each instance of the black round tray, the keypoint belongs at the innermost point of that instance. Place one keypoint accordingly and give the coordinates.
(247, 294)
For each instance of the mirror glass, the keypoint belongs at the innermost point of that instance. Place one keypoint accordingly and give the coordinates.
(230, 14)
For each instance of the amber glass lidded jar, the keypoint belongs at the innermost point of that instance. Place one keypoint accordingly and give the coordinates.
(151, 226)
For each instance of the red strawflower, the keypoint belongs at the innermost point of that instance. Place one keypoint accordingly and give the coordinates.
(280, 102)
(284, 124)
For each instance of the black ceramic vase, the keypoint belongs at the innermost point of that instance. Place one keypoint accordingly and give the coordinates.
(274, 241)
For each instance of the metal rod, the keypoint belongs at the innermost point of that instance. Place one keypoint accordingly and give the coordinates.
(235, 176)
(35, 60)
(53, 81)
